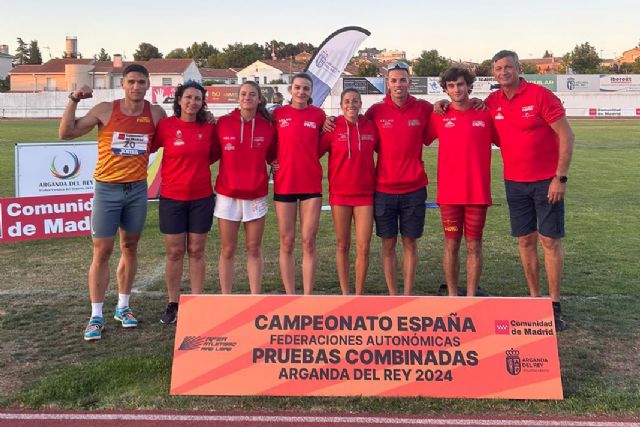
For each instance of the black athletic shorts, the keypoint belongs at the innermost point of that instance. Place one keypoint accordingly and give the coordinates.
(186, 216)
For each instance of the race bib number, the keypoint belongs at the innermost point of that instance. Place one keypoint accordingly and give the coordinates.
(129, 144)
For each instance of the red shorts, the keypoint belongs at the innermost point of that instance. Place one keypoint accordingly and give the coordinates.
(470, 218)
(340, 200)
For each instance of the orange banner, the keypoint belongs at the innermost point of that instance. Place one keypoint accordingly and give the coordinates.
(366, 346)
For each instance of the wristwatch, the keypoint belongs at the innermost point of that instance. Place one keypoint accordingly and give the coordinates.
(563, 179)
(73, 98)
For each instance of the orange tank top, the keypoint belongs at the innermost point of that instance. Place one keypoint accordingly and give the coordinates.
(122, 146)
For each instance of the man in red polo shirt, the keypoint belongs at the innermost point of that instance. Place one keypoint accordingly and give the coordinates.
(464, 176)
(536, 142)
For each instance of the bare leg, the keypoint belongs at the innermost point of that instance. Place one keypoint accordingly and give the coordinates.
(286, 213)
(409, 263)
(390, 264)
(342, 216)
(175, 247)
(99, 269)
(254, 231)
(528, 247)
(553, 264)
(196, 243)
(451, 265)
(128, 264)
(364, 227)
(474, 265)
(309, 223)
(229, 244)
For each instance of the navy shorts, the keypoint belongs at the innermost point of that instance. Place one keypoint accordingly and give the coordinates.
(118, 205)
(294, 197)
(404, 211)
(186, 216)
(530, 210)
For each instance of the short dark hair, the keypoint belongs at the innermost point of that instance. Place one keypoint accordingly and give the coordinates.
(452, 74)
(201, 116)
(505, 54)
(135, 68)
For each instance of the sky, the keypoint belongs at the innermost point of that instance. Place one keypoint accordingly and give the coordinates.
(462, 30)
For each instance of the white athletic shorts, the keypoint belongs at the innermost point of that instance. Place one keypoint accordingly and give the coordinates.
(233, 209)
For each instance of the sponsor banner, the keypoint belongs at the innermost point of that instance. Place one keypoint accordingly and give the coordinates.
(366, 346)
(578, 83)
(329, 61)
(620, 83)
(433, 86)
(549, 81)
(613, 112)
(485, 84)
(365, 85)
(163, 95)
(45, 217)
(51, 168)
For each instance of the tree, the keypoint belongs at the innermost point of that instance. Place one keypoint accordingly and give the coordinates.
(178, 53)
(367, 69)
(22, 53)
(529, 68)
(583, 59)
(238, 55)
(485, 68)
(631, 68)
(35, 56)
(145, 52)
(102, 56)
(547, 54)
(5, 85)
(430, 63)
(200, 52)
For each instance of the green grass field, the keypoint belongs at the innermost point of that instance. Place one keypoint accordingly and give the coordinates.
(44, 363)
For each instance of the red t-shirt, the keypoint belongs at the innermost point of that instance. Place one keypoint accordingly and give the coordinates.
(529, 146)
(189, 149)
(298, 144)
(464, 156)
(402, 133)
(351, 149)
(245, 149)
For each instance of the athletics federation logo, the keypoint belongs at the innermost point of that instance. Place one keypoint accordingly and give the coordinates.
(322, 58)
(502, 327)
(192, 343)
(65, 167)
(513, 361)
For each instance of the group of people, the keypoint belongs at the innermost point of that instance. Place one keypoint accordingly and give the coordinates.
(375, 172)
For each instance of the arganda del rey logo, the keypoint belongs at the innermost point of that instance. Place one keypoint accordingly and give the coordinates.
(65, 167)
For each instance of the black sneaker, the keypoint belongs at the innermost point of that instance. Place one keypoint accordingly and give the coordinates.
(481, 292)
(557, 317)
(170, 314)
(443, 291)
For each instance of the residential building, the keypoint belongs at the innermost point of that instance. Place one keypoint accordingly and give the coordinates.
(225, 76)
(547, 65)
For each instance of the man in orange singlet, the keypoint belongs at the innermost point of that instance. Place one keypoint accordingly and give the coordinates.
(125, 126)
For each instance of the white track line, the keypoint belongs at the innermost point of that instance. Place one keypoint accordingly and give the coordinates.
(310, 420)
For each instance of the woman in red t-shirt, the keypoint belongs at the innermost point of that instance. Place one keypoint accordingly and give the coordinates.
(298, 179)
(186, 196)
(246, 138)
(352, 181)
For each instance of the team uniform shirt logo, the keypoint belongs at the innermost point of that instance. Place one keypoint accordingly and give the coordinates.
(143, 119)
(499, 115)
(178, 140)
(229, 147)
(413, 123)
(309, 124)
(258, 141)
(527, 111)
(129, 144)
(284, 122)
(367, 137)
(342, 137)
(449, 122)
(386, 123)
(478, 123)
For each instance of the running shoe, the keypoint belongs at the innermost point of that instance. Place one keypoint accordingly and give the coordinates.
(125, 316)
(94, 329)
(557, 318)
(170, 314)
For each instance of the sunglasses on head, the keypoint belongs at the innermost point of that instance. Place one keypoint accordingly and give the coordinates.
(398, 66)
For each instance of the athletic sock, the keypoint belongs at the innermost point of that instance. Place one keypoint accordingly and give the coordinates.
(96, 309)
(123, 300)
